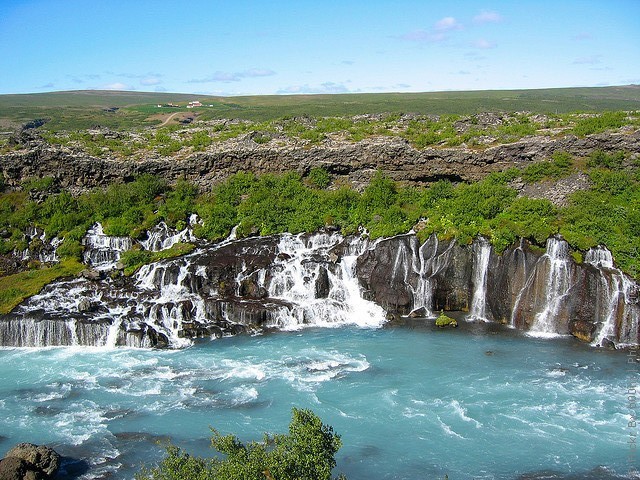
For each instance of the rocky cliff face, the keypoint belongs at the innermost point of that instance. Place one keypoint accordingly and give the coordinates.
(289, 282)
(354, 162)
(545, 294)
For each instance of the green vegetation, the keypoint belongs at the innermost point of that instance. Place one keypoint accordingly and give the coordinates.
(607, 214)
(123, 209)
(559, 166)
(445, 321)
(86, 109)
(476, 131)
(307, 452)
(16, 288)
(135, 258)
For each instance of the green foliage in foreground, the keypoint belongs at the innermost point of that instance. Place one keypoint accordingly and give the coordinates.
(307, 452)
(15, 288)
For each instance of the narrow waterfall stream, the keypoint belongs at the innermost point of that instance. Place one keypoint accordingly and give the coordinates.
(482, 252)
(558, 282)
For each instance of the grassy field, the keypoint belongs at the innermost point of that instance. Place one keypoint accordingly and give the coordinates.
(85, 109)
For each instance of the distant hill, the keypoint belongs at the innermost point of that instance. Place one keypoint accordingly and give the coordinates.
(86, 108)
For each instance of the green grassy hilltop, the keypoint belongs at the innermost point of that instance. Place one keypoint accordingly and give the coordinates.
(84, 109)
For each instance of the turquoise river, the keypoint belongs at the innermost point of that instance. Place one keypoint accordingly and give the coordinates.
(411, 402)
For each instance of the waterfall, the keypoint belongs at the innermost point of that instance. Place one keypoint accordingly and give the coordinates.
(558, 282)
(599, 257)
(161, 237)
(482, 253)
(619, 294)
(45, 251)
(319, 293)
(430, 265)
(102, 251)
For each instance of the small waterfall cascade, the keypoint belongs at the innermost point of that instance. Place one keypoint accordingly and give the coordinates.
(618, 308)
(429, 265)
(161, 237)
(40, 248)
(321, 290)
(599, 257)
(481, 255)
(558, 283)
(102, 252)
(57, 316)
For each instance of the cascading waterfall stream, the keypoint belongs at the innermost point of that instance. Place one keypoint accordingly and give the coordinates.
(299, 269)
(482, 253)
(430, 264)
(102, 251)
(616, 290)
(558, 283)
(297, 281)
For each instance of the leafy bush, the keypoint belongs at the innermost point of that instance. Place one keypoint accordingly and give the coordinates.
(588, 125)
(599, 158)
(307, 452)
(559, 166)
(318, 177)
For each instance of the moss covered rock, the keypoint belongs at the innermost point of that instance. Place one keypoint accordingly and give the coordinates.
(444, 321)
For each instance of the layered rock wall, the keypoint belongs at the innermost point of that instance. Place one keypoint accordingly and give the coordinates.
(354, 162)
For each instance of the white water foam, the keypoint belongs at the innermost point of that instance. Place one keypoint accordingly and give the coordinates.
(482, 254)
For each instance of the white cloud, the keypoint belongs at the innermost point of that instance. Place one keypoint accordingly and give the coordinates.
(446, 24)
(589, 60)
(150, 81)
(437, 33)
(117, 86)
(487, 16)
(227, 77)
(483, 44)
(326, 87)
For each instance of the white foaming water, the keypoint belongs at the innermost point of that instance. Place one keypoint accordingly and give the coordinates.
(297, 277)
(102, 251)
(558, 282)
(430, 264)
(617, 290)
(109, 408)
(599, 257)
(482, 254)
(161, 237)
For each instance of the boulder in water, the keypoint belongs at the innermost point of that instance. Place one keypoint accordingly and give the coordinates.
(84, 305)
(582, 330)
(29, 461)
(444, 321)
(90, 274)
(12, 468)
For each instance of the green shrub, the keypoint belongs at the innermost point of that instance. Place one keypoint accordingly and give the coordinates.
(588, 125)
(318, 177)
(559, 166)
(601, 159)
(307, 452)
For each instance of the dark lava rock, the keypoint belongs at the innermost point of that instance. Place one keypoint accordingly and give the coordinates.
(12, 468)
(41, 462)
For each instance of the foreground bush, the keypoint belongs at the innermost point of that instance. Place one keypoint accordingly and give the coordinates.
(307, 452)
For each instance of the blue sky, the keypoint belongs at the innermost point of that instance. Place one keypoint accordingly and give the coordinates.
(270, 47)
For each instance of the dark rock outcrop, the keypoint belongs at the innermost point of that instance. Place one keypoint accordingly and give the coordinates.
(355, 162)
(287, 281)
(29, 461)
